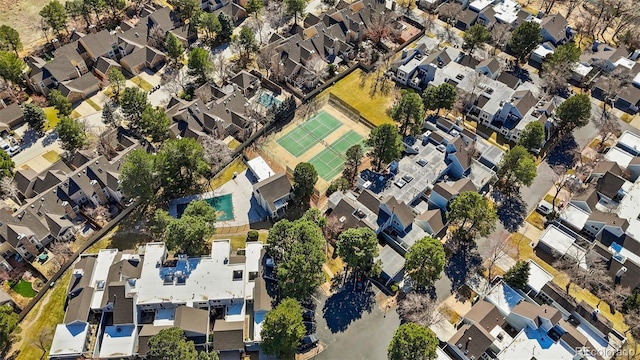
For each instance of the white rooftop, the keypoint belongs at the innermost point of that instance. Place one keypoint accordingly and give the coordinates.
(479, 5)
(619, 156)
(504, 298)
(118, 341)
(563, 243)
(260, 168)
(69, 339)
(629, 208)
(582, 69)
(99, 276)
(574, 216)
(627, 63)
(534, 343)
(630, 140)
(502, 342)
(542, 51)
(538, 276)
(258, 321)
(600, 345)
(441, 355)
(636, 80)
(507, 11)
(207, 278)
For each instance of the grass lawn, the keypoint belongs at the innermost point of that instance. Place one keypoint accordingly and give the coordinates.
(52, 117)
(142, 83)
(335, 265)
(234, 144)
(451, 315)
(549, 198)
(24, 288)
(239, 241)
(237, 166)
(51, 156)
(93, 104)
(536, 220)
(374, 109)
(42, 316)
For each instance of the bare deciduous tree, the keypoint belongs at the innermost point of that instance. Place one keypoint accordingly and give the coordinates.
(216, 153)
(105, 143)
(420, 309)
(61, 253)
(43, 340)
(317, 67)
(608, 127)
(448, 12)
(221, 67)
(590, 278)
(174, 81)
(156, 37)
(382, 27)
(494, 251)
(9, 188)
(264, 59)
(571, 6)
(332, 229)
(501, 35)
(614, 296)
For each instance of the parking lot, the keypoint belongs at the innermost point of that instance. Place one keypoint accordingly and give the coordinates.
(353, 325)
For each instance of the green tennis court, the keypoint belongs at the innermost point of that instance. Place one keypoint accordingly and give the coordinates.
(330, 161)
(309, 133)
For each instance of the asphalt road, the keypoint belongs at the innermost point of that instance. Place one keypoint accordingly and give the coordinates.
(351, 325)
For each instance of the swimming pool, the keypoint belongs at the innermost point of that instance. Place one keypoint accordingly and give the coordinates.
(223, 205)
(267, 100)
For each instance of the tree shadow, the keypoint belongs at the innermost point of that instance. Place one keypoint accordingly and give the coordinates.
(563, 153)
(29, 138)
(512, 211)
(347, 306)
(50, 138)
(462, 262)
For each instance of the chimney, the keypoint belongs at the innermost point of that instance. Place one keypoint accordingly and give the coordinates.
(56, 43)
(99, 191)
(69, 210)
(93, 29)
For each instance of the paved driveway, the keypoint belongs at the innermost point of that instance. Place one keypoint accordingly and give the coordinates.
(353, 326)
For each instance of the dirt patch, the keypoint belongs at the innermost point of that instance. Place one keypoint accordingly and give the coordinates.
(23, 16)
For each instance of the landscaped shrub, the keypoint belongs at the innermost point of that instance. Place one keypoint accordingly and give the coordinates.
(252, 235)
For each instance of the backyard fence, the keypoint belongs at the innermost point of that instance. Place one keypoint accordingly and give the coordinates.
(92, 240)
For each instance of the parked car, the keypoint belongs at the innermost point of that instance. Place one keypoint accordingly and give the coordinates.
(544, 208)
(310, 326)
(308, 342)
(308, 314)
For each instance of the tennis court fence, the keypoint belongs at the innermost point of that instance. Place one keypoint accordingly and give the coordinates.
(348, 110)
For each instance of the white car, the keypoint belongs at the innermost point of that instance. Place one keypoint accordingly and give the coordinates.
(545, 208)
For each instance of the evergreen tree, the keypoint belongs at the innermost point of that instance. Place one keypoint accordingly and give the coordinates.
(412, 341)
(518, 275)
(174, 47)
(226, 29)
(60, 102)
(35, 117)
(70, 134)
(305, 177)
(55, 16)
(10, 39)
(386, 145)
(524, 39)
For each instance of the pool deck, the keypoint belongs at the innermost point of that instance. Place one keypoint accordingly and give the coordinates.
(246, 209)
